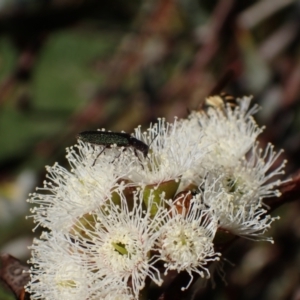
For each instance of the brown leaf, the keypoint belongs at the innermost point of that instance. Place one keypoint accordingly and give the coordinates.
(13, 275)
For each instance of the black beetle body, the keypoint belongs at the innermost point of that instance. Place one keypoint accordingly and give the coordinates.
(107, 139)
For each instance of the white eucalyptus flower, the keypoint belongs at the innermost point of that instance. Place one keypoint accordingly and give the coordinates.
(172, 152)
(67, 195)
(185, 241)
(235, 195)
(229, 135)
(119, 239)
(57, 271)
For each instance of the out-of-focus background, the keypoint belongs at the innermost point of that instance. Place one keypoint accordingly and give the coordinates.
(71, 65)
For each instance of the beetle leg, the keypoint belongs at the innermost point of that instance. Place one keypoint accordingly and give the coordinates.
(98, 156)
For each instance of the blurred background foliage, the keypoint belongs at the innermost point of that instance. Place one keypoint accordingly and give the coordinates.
(72, 65)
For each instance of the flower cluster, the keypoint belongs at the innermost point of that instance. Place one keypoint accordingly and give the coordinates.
(118, 221)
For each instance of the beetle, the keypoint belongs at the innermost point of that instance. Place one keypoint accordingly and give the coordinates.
(108, 139)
